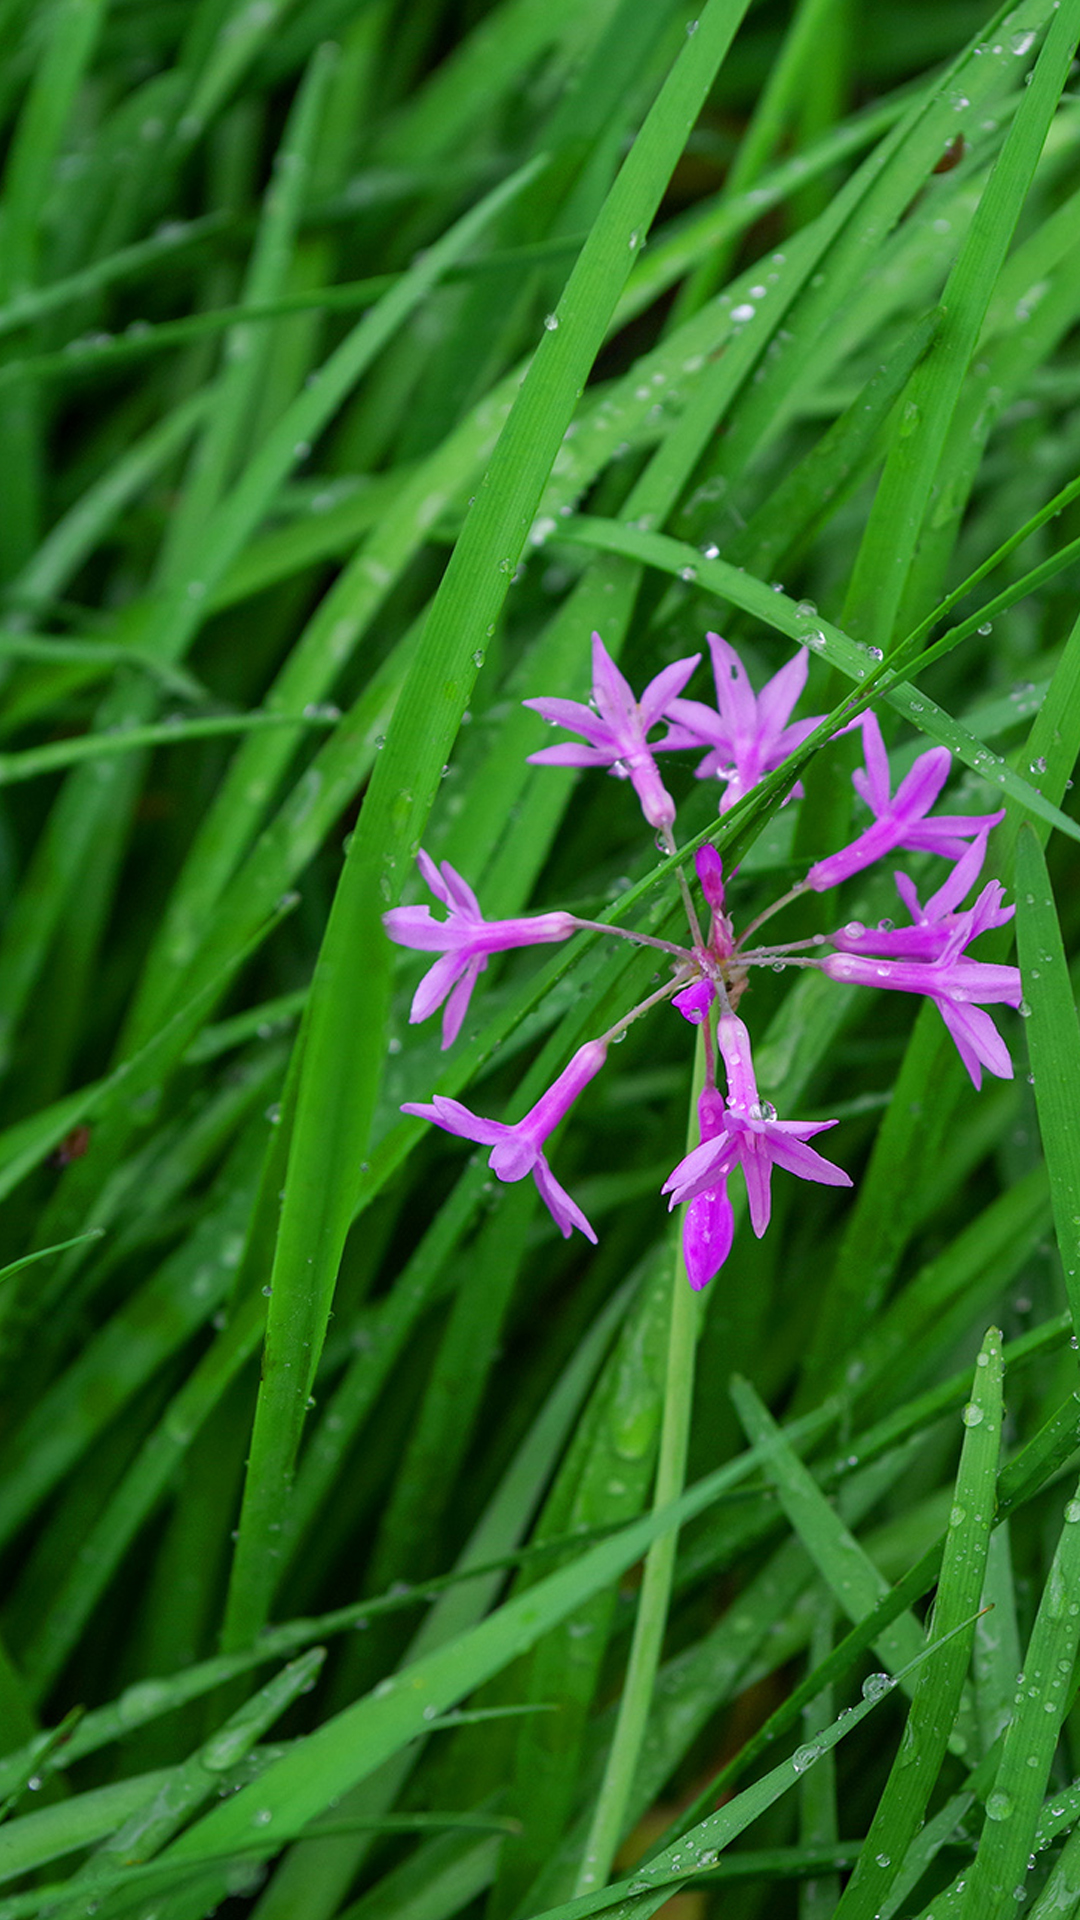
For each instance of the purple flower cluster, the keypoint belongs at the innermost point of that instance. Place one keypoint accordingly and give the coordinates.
(745, 737)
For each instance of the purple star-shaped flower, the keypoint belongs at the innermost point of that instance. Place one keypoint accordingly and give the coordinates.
(928, 957)
(751, 734)
(937, 926)
(899, 821)
(752, 1137)
(954, 983)
(614, 735)
(464, 940)
(518, 1149)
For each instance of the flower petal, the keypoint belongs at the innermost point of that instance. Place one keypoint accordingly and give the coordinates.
(708, 1231)
(796, 1157)
(453, 1117)
(667, 684)
(978, 1041)
(778, 695)
(702, 1167)
(695, 1001)
(432, 877)
(569, 755)
(415, 927)
(734, 693)
(455, 1009)
(698, 725)
(873, 785)
(614, 696)
(435, 985)
(565, 1212)
(960, 881)
(757, 1172)
(920, 787)
(461, 896)
(571, 714)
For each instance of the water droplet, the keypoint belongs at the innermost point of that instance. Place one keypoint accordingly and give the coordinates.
(262, 1817)
(1022, 42)
(882, 1859)
(972, 1415)
(999, 1806)
(551, 322)
(875, 1685)
(804, 1757)
(957, 1516)
(743, 312)
(987, 627)
(1072, 1512)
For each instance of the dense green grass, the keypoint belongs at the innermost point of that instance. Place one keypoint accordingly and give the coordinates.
(369, 1549)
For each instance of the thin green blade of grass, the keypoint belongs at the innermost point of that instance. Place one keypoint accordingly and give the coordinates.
(903, 496)
(567, 1664)
(1053, 1038)
(873, 204)
(197, 1780)
(1014, 1806)
(936, 1702)
(143, 1486)
(772, 113)
(27, 1142)
(33, 762)
(855, 1582)
(157, 1318)
(79, 1822)
(77, 533)
(996, 1657)
(38, 303)
(247, 354)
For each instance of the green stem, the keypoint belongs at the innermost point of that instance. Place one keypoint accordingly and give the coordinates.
(610, 1814)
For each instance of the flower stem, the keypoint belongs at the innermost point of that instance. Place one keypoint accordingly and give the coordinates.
(785, 900)
(609, 1817)
(662, 993)
(687, 897)
(630, 933)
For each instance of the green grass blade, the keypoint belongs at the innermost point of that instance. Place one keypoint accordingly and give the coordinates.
(1014, 1805)
(902, 1807)
(1054, 1047)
